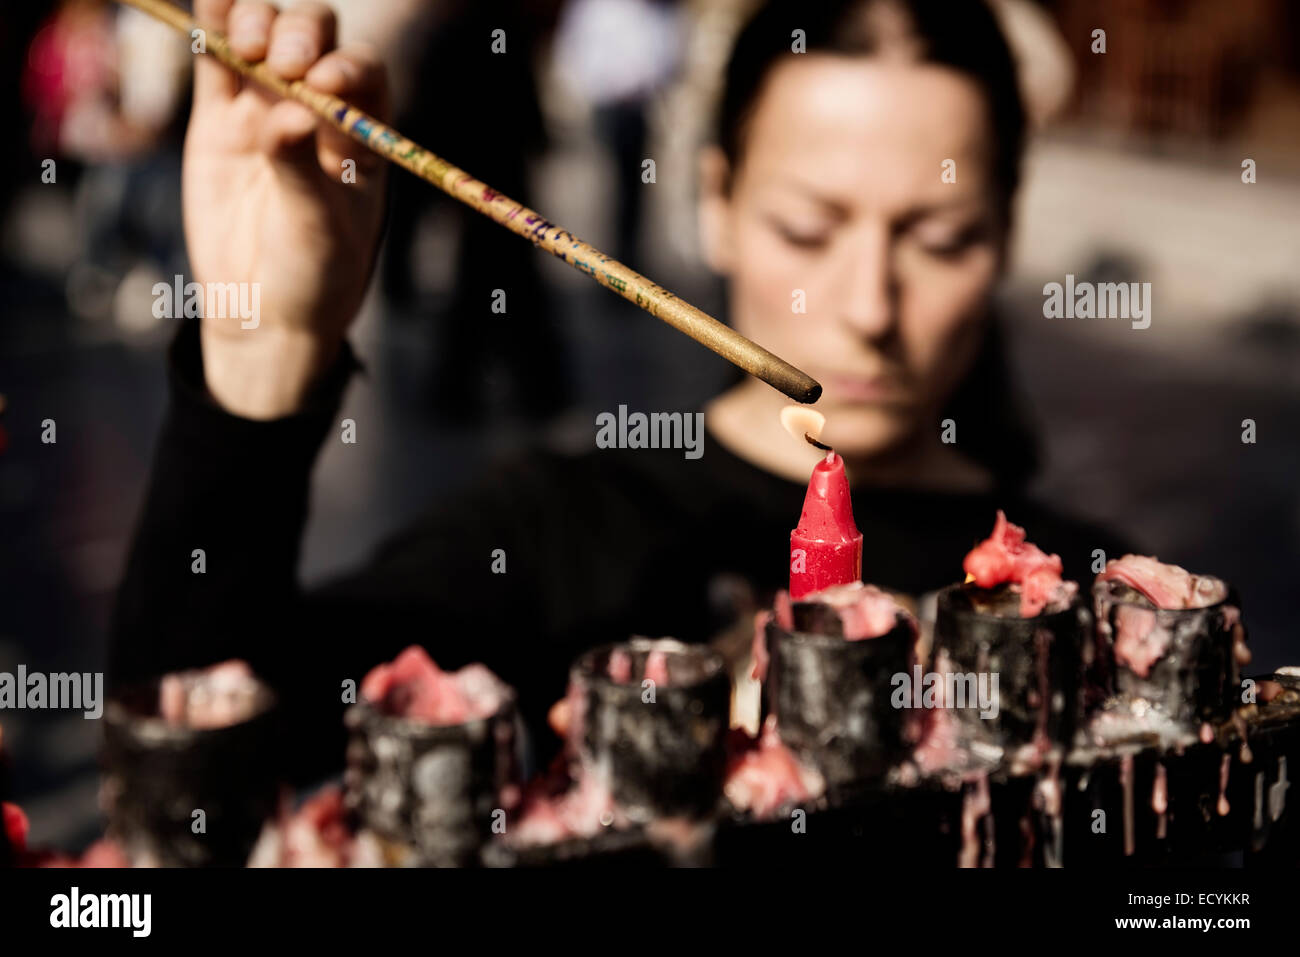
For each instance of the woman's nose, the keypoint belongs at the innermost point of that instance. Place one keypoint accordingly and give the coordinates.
(868, 290)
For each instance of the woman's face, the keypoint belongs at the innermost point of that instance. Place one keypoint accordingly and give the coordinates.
(847, 253)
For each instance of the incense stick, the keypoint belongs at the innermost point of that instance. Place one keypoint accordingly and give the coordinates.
(393, 146)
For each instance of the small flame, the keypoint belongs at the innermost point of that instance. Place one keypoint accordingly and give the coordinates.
(804, 423)
(969, 578)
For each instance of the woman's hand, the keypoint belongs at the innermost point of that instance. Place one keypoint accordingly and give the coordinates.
(266, 203)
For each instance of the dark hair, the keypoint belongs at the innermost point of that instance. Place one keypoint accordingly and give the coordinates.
(962, 35)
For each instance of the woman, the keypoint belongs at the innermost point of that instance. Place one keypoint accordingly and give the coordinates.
(826, 183)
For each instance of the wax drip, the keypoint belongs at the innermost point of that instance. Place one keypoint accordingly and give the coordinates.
(990, 830)
(1244, 755)
(1126, 780)
(1027, 840)
(1047, 801)
(1160, 800)
(975, 805)
(1259, 802)
(1225, 766)
(1041, 741)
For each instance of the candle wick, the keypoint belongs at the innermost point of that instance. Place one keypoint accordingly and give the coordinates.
(815, 444)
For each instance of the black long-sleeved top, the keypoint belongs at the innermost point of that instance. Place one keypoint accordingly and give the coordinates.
(597, 547)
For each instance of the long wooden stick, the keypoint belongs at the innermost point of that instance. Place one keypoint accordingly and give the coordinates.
(610, 273)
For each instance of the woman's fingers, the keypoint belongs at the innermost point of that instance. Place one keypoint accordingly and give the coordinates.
(297, 43)
(299, 37)
(289, 42)
(213, 83)
(356, 74)
(249, 28)
(288, 134)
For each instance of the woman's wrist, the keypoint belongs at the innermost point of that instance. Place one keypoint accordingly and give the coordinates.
(266, 373)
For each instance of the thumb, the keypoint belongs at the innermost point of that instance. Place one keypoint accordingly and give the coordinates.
(289, 140)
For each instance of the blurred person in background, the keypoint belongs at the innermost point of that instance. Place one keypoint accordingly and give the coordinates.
(18, 24)
(107, 86)
(474, 101)
(617, 56)
(825, 178)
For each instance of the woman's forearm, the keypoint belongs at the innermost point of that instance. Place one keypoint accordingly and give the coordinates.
(213, 562)
(264, 374)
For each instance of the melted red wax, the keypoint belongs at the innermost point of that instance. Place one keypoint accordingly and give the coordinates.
(1166, 586)
(316, 835)
(1139, 644)
(656, 667)
(1140, 639)
(103, 853)
(15, 825)
(1268, 690)
(218, 696)
(582, 810)
(620, 666)
(1005, 557)
(865, 611)
(764, 776)
(783, 613)
(976, 805)
(412, 686)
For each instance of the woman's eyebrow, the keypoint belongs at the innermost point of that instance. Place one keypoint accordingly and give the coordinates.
(813, 193)
(926, 210)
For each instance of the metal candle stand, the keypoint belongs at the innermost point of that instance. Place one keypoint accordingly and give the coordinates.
(1107, 816)
(891, 821)
(1038, 658)
(660, 751)
(832, 696)
(429, 791)
(158, 775)
(1208, 816)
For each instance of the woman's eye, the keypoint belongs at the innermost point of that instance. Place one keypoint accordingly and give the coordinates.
(803, 239)
(946, 250)
(951, 247)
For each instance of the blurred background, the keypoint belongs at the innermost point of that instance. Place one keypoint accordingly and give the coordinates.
(1134, 174)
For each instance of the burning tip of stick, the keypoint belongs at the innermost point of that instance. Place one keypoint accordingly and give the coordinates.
(805, 423)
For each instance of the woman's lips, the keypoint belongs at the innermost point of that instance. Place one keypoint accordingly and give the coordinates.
(852, 388)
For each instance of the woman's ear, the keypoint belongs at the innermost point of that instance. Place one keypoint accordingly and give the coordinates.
(715, 209)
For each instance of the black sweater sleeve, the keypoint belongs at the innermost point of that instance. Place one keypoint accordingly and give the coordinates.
(216, 545)
(212, 570)
(238, 491)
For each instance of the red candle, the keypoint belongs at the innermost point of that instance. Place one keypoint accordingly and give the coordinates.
(826, 548)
